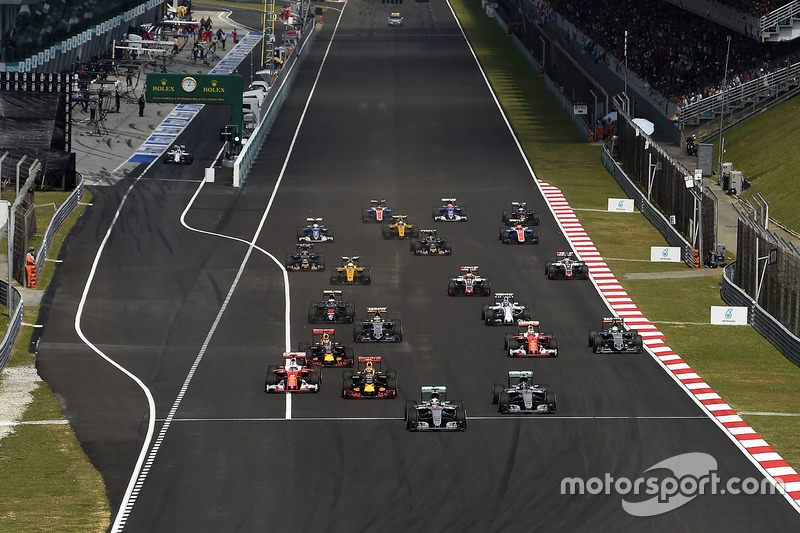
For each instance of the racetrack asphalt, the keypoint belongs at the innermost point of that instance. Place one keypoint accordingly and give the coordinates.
(396, 113)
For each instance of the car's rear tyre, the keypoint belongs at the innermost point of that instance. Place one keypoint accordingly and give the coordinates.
(592, 335)
(552, 272)
(503, 401)
(638, 341)
(334, 277)
(598, 342)
(553, 345)
(312, 315)
(526, 314)
(497, 390)
(398, 328)
(367, 276)
(484, 309)
(547, 266)
(314, 379)
(412, 417)
(407, 406)
(270, 379)
(358, 331)
(386, 232)
(391, 380)
(550, 398)
(451, 288)
(509, 338)
(506, 216)
(349, 313)
(487, 288)
(320, 262)
(365, 218)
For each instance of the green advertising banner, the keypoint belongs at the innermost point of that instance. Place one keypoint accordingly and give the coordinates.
(225, 89)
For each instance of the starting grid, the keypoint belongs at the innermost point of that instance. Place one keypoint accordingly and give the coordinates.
(179, 118)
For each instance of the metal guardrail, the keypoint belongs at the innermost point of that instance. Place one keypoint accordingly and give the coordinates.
(279, 94)
(781, 16)
(772, 330)
(58, 219)
(738, 98)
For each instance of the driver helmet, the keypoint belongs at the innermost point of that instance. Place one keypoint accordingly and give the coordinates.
(326, 339)
(531, 328)
(523, 381)
(369, 370)
(377, 317)
(614, 328)
(469, 276)
(293, 364)
(315, 225)
(435, 398)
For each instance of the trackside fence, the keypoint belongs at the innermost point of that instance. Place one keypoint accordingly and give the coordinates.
(58, 219)
(278, 94)
(766, 280)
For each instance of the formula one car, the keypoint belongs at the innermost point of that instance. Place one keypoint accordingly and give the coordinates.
(469, 283)
(304, 259)
(505, 311)
(324, 351)
(378, 329)
(434, 412)
(530, 342)
(351, 272)
(566, 266)
(521, 395)
(332, 309)
(518, 234)
(314, 231)
(429, 244)
(293, 376)
(614, 338)
(399, 228)
(376, 212)
(177, 155)
(368, 381)
(520, 214)
(450, 212)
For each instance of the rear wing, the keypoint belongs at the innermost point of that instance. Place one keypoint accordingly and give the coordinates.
(610, 319)
(520, 374)
(331, 292)
(440, 389)
(321, 331)
(368, 358)
(399, 217)
(298, 355)
(519, 204)
(562, 255)
(526, 323)
(314, 220)
(427, 232)
(377, 309)
(449, 200)
(472, 269)
(305, 246)
(499, 296)
(374, 202)
(354, 258)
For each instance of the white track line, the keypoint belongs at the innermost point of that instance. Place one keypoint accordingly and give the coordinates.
(142, 468)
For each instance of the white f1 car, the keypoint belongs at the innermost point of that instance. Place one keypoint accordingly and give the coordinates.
(505, 311)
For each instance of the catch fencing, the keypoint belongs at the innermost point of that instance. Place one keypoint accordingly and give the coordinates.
(766, 280)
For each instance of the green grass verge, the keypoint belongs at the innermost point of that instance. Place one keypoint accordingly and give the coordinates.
(47, 482)
(747, 371)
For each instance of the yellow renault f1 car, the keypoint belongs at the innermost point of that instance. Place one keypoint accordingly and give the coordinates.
(399, 228)
(351, 272)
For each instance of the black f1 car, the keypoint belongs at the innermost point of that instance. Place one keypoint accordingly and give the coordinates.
(369, 381)
(450, 212)
(530, 342)
(566, 266)
(521, 395)
(314, 231)
(376, 212)
(429, 244)
(614, 338)
(324, 351)
(434, 412)
(520, 214)
(177, 155)
(518, 234)
(399, 228)
(332, 309)
(469, 283)
(293, 376)
(351, 272)
(378, 329)
(505, 311)
(305, 259)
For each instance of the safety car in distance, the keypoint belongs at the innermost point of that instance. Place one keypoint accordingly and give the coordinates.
(178, 155)
(304, 259)
(395, 19)
(518, 234)
(566, 266)
(521, 395)
(325, 351)
(376, 212)
(520, 214)
(377, 328)
(369, 380)
(293, 376)
(399, 228)
(428, 243)
(351, 272)
(504, 311)
(450, 212)
(332, 309)
(434, 412)
(469, 283)
(314, 231)
(614, 338)
(528, 341)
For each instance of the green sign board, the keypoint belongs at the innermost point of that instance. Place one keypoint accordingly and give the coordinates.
(224, 89)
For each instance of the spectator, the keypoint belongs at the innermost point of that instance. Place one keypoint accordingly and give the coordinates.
(141, 105)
